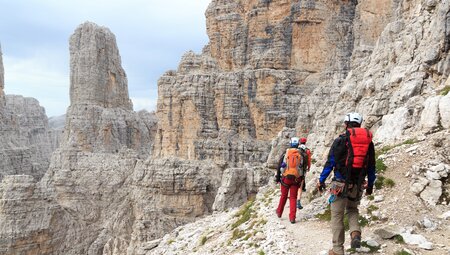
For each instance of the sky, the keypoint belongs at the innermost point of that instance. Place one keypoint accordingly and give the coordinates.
(152, 36)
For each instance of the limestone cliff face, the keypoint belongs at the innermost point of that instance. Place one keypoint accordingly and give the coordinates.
(24, 135)
(271, 68)
(263, 61)
(26, 146)
(56, 133)
(99, 196)
(302, 35)
(100, 116)
(395, 82)
(97, 76)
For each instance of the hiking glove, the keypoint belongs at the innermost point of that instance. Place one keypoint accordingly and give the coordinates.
(369, 190)
(277, 179)
(321, 186)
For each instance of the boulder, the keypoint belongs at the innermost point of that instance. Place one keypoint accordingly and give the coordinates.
(388, 232)
(432, 192)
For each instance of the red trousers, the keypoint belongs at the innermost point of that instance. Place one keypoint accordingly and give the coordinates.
(288, 186)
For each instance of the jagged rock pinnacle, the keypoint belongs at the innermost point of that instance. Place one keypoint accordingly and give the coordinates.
(97, 76)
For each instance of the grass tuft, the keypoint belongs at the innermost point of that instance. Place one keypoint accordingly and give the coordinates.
(399, 239)
(402, 252)
(380, 166)
(326, 215)
(244, 214)
(379, 182)
(387, 148)
(237, 234)
(372, 208)
(372, 249)
(445, 91)
(203, 240)
(362, 221)
(389, 182)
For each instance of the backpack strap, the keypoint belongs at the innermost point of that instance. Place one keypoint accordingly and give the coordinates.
(349, 161)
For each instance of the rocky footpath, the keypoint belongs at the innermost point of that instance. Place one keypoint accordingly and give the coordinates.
(394, 219)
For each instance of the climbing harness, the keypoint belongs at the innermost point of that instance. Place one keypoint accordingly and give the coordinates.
(336, 189)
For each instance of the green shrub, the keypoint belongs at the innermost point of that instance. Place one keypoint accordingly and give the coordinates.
(374, 218)
(384, 150)
(371, 197)
(362, 221)
(237, 234)
(410, 141)
(389, 182)
(373, 249)
(244, 214)
(326, 215)
(262, 222)
(261, 252)
(402, 252)
(399, 239)
(380, 166)
(372, 208)
(387, 148)
(445, 91)
(203, 240)
(170, 241)
(379, 182)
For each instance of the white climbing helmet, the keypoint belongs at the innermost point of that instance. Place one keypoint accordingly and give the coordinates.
(294, 142)
(302, 146)
(353, 117)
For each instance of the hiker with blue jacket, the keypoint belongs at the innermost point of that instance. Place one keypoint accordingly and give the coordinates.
(351, 158)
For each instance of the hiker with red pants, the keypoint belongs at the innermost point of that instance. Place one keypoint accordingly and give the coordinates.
(352, 158)
(288, 175)
(306, 166)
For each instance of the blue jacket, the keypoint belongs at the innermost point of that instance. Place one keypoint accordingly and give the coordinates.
(337, 158)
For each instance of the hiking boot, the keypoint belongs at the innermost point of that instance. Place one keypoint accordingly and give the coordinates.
(293, 221)
(356, 239)
(299, 204)
(278, 215)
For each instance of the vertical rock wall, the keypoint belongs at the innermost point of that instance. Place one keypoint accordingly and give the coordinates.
(97, 77)
(269, 65)
(264, 57)
(100, 116)
(26, 146)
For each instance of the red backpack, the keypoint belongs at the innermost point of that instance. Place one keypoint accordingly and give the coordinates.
(358, 143)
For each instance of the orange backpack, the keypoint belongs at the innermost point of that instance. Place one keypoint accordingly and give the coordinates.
(293, 162)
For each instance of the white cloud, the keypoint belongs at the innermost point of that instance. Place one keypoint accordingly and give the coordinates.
(141, 103)
(34, 77)
(36, 71)
(151, 35)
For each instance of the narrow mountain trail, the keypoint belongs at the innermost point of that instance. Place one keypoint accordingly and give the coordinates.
(310, 237)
